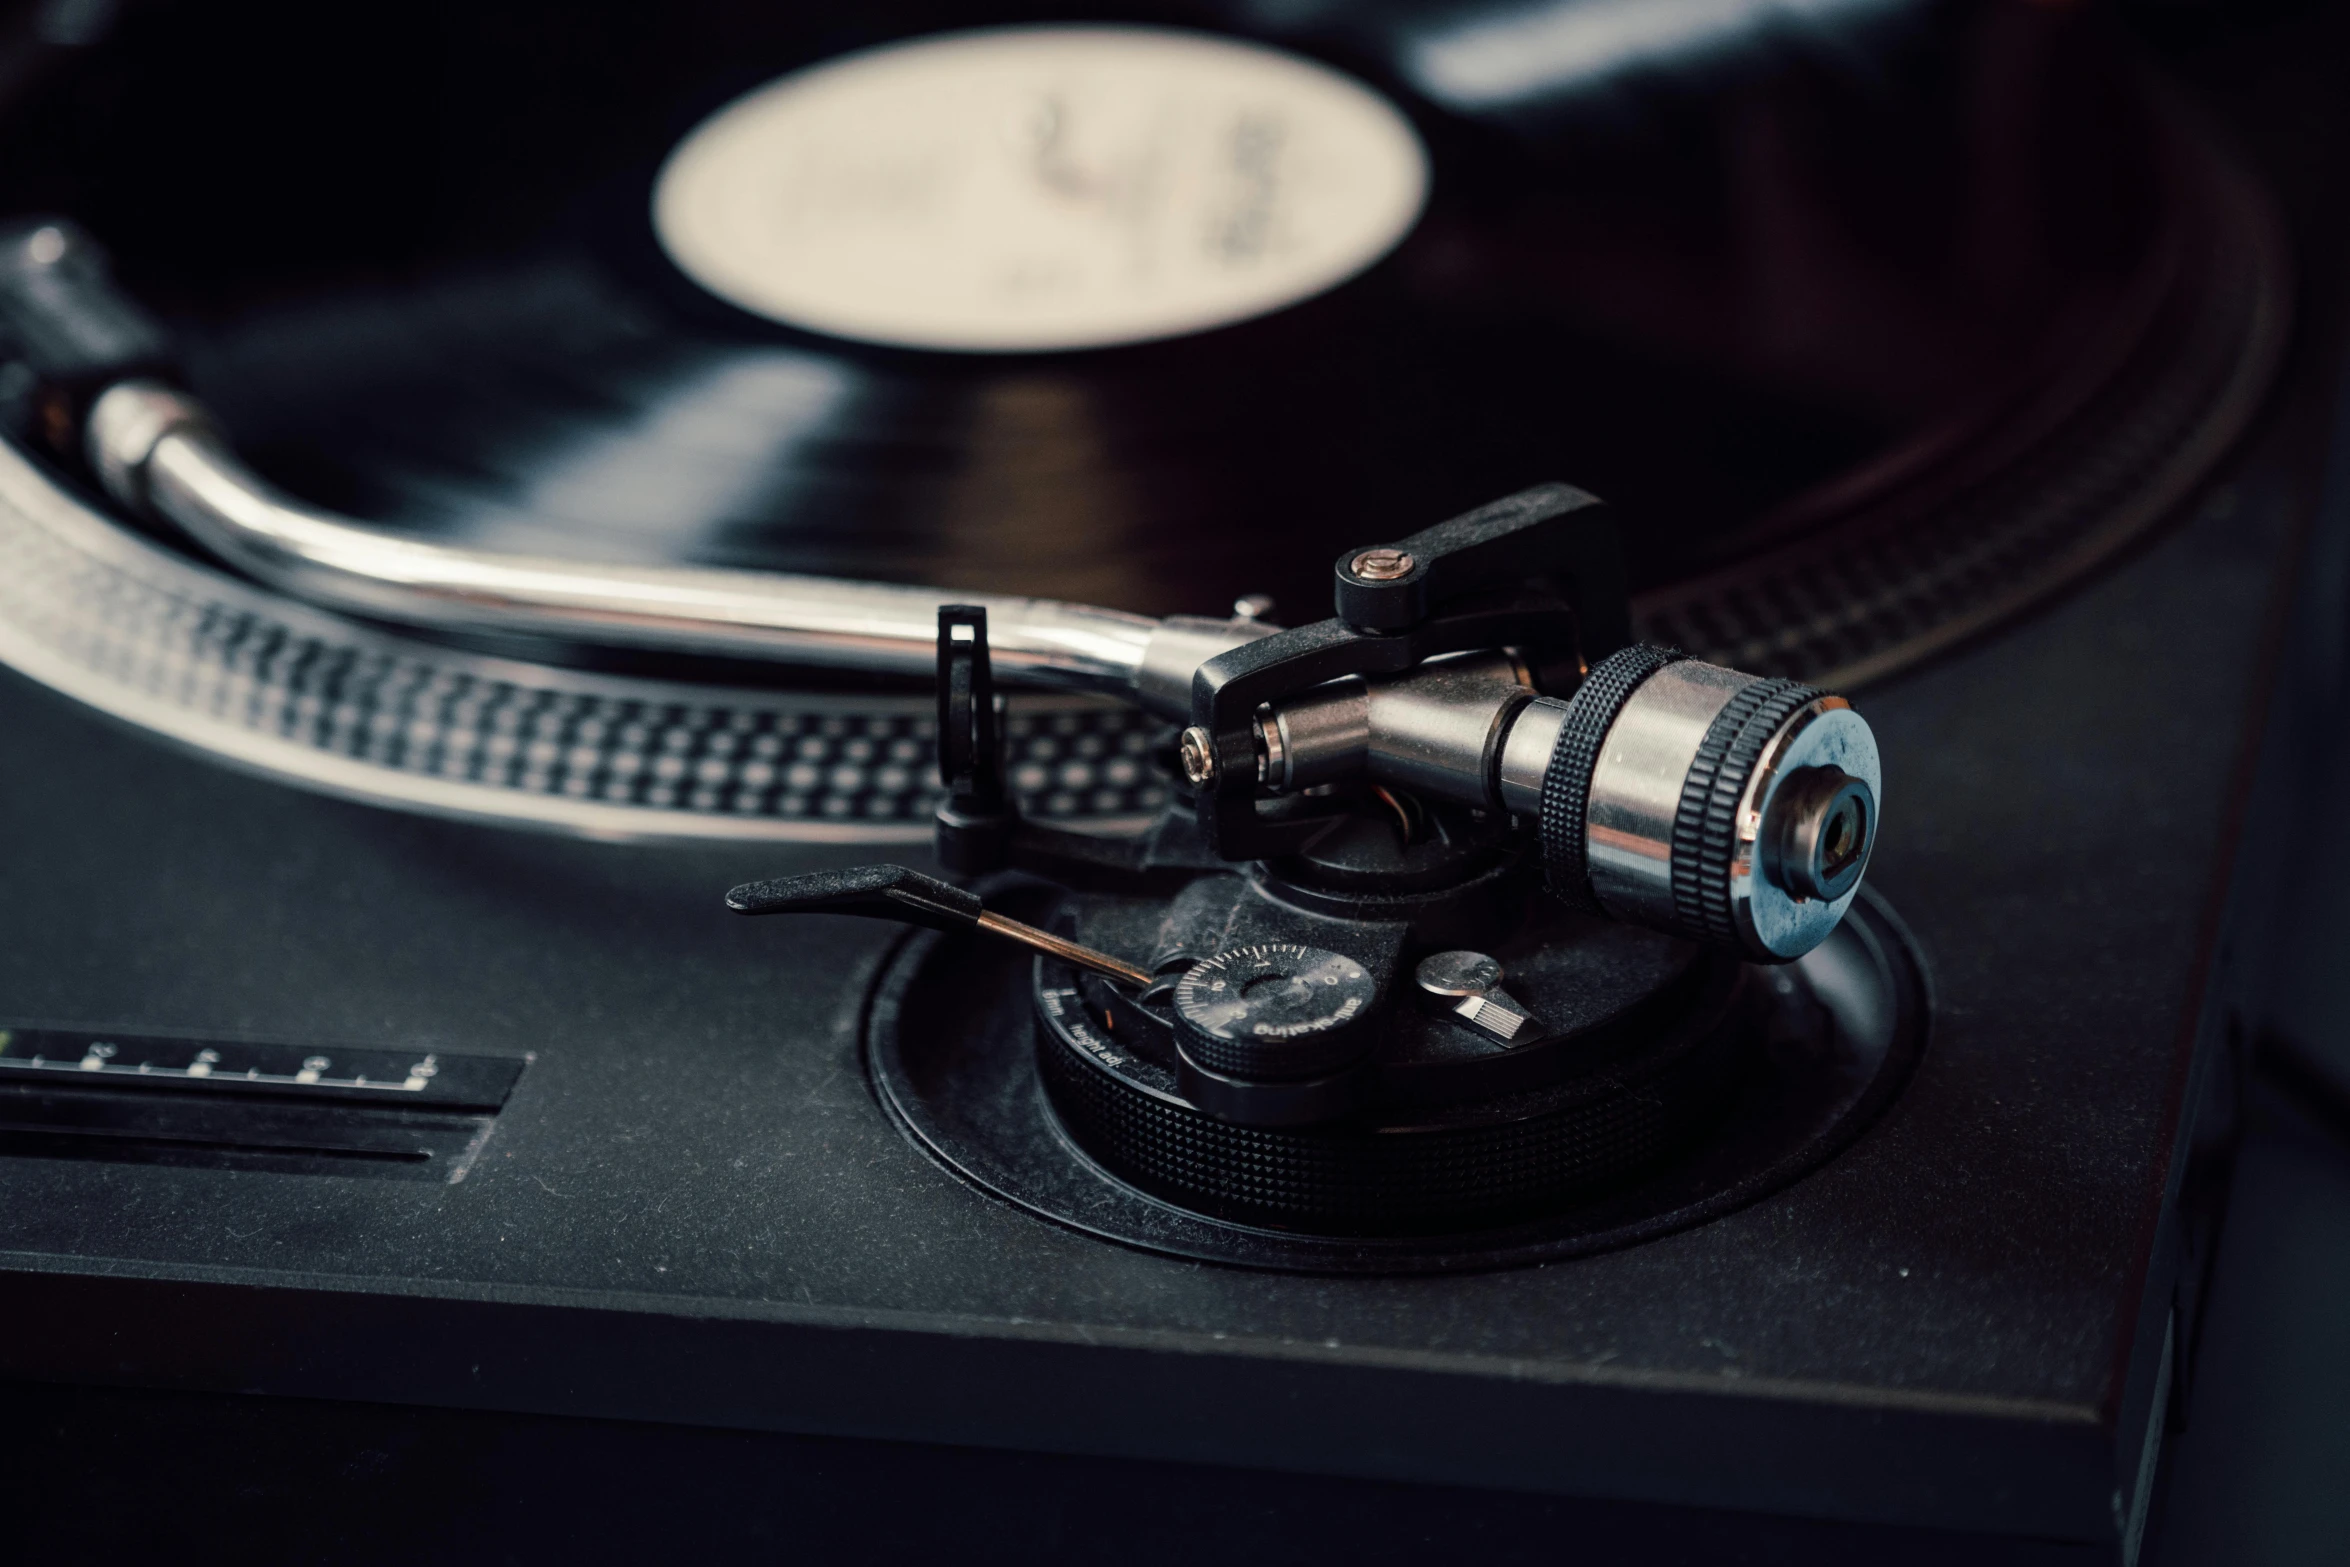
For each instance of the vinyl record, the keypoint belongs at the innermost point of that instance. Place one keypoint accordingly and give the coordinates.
(1878, 320)
(1709, 262)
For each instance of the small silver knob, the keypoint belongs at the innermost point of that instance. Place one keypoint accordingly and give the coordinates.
(1470, 984)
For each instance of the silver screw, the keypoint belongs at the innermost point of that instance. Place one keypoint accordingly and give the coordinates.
(1252, 606)
(1199, 755)
(1382, 565)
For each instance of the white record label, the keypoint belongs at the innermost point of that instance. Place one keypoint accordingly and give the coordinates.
(1035, 188)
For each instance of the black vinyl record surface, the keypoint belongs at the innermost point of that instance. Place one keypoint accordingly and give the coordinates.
(1744, 275)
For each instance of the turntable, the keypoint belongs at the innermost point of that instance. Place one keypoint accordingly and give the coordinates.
(1375, 965)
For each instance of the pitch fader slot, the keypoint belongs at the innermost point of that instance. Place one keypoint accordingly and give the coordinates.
(245, 1105)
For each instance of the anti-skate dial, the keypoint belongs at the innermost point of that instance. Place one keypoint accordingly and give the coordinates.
(1276, 1010)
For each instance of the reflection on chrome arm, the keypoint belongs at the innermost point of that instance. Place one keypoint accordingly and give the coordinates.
(155, 451)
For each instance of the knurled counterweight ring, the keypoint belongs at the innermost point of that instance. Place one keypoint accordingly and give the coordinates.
(1705, 829)
(1566, 783)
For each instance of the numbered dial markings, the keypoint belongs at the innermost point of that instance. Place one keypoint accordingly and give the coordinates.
(1274, 993)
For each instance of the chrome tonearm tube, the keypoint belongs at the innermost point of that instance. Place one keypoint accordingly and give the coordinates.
(1485, 662)
(154, 450)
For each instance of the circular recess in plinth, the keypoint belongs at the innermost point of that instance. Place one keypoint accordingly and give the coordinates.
(954, 1051)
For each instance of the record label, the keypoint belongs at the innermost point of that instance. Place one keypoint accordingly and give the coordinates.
(1039, 188)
